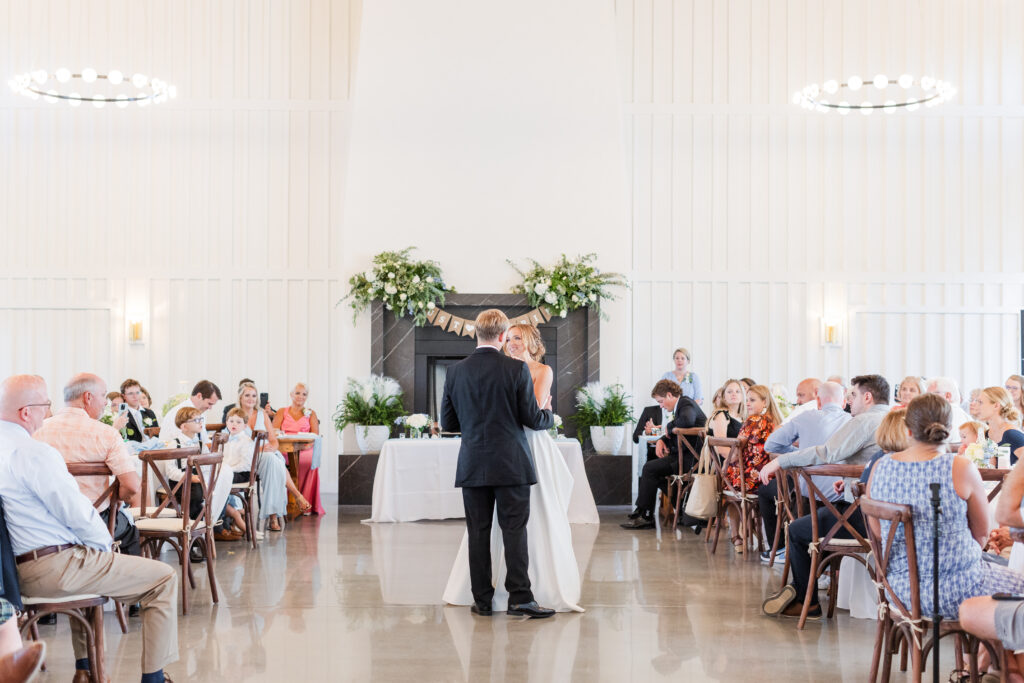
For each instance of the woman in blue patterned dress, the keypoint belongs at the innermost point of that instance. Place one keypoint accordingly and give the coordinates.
(963, 526)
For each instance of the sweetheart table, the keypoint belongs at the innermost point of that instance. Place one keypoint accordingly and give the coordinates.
(415, 480)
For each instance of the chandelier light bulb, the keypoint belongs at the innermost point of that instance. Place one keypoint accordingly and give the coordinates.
(831, 87)
(89, 74)
(881, 81)
(63, 75)
(31, 84)
(115, 77)
(139, 81)
(927, 82)
(905, 81)
(854, 83)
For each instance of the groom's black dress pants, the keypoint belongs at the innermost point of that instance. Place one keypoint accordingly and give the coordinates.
(513, 504)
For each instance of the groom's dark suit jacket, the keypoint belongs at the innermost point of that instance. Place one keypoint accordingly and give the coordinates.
(489, 398)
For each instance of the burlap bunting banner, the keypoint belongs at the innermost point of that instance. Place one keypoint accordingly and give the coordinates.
(439, 317)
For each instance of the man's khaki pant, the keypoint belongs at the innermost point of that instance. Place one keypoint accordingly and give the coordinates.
(130, 579)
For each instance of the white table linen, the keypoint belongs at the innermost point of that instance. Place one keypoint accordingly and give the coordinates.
(415, 480)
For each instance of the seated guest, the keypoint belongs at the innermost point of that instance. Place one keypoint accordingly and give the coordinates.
(78, 435)
(890, 436)
(729, 410)
(146, 401)
(273, 473)
(970, 432)
(807, 429)
(1013, 385)
(904, 478)
(763, 419)
(995, 408)
(948, 389)
(62, 545)
(910, 388)
(189, 423)
(295, 419)
(139, 418)
(1002, 620)
(205, 395)
(267, 408)
(114, 401)
(973, 402)
(685, 414)
(806, 392)
(688, 381)
(749, 382)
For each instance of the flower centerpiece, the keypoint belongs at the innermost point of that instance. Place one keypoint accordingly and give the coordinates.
(402, 284)
(605, 409)
(415, 423)
(568, 285)
(371, 406)
(555, 427)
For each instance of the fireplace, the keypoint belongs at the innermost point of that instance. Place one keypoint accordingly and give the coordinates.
(418, 357)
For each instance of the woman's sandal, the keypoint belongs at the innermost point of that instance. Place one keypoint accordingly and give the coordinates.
(737, 544)
(274, 525)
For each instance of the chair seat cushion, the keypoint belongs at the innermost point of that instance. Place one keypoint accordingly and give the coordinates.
(845, 542)
(170, 525)
(166, 512)
(29, 602)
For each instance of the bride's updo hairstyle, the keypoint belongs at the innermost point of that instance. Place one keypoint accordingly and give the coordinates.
(531, 338)
(929, 418)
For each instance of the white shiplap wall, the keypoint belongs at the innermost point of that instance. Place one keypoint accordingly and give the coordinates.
(215, 218)
(752, 219)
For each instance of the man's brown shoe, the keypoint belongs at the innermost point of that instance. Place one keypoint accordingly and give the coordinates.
(222, 535)
(23, 665)
(794, 609)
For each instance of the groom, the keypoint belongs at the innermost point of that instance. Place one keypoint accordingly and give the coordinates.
(489, 398)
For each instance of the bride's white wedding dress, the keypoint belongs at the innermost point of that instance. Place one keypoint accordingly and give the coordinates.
(554, 574)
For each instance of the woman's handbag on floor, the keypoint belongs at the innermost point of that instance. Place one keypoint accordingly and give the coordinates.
(702, 502)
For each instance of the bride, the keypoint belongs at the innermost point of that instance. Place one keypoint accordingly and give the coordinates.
(554, 574)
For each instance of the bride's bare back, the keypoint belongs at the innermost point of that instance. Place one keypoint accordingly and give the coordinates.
(542, 378)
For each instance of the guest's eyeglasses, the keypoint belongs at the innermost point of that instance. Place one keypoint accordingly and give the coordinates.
(37, 405)
(197, 420)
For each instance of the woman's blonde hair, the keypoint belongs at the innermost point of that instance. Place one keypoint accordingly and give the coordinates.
(891, 435)
(919, 381)
(1001, 397)
(241, 390)
(685, 352)
(771, 408)
(1019, 379)
(742, 409)
(531, 337)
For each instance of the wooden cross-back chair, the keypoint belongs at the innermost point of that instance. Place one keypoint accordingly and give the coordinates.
(828, 548)
(679, 484)
(737, 497)
(179, 531)
(901, 623)
(248, 491)
(789, 506)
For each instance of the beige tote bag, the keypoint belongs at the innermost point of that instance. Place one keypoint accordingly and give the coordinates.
(702, 502)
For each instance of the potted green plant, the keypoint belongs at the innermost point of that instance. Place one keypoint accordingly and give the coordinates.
(605, 409)
(371, 406)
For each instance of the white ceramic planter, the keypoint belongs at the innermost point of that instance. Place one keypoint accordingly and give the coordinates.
(371, 438)
(607, 440)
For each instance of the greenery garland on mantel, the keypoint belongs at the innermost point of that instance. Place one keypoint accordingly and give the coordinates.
(418, 288)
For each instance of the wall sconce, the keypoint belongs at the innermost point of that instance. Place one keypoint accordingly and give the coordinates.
(135, 332)
(831, 332)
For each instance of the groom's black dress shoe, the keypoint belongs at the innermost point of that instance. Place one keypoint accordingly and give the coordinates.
(635, 514)
(639, 523)
(530, 609)
(481, 609)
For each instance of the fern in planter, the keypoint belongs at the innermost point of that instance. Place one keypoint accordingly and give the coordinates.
(376, 401)
(602, 405)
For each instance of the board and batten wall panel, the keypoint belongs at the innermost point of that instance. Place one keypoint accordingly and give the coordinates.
(214, 218)
(752, 220)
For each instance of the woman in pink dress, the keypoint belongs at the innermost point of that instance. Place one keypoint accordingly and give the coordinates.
(295, 419)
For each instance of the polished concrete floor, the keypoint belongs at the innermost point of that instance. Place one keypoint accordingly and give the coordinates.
(332, 599)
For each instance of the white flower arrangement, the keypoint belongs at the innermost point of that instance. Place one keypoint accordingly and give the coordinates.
(568, 285)
(376, 400)
(417, 420)
(401, 284)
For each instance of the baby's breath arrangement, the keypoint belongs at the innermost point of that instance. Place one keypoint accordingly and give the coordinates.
(568, 285)
(402, 284)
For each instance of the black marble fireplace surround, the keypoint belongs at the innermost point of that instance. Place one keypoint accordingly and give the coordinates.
(403, 351)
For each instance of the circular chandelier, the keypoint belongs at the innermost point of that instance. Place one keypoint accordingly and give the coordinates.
(914, 93)
(145, 90)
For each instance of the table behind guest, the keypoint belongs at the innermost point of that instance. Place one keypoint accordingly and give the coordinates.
(296, 419)
(681, 374)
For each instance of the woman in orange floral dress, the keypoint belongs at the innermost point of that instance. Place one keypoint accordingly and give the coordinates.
(764, 418)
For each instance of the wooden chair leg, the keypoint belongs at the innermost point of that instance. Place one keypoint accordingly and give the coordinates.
(122, 620)
(210, 573)
(812, 587)
(98, 664)
(187, 578)
(876, 655)
(833, 586)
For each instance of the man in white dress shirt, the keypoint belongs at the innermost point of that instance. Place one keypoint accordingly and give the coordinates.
(205, 395)
(61, 545)
(948, 389)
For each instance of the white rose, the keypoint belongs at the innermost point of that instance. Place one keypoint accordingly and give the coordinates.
(550, 297)
(430, 305)
(417, 421)
(430, 278)
(558, 420)
(370, 276)
(390, 289)
(391, 276)
(593, 297)
(420, 304)
(564, 313)
(402, 296)
(415, 279)
(575, 297)
(581, 282)
(540, 288)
